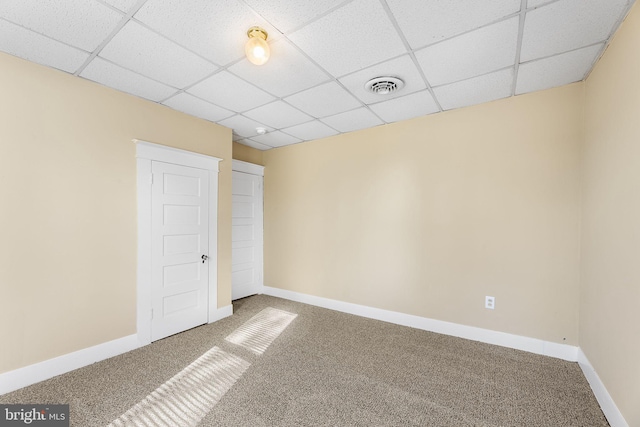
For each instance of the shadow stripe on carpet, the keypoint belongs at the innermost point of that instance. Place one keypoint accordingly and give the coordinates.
(186, 398)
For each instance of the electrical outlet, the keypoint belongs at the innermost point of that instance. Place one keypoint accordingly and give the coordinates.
(490, 302)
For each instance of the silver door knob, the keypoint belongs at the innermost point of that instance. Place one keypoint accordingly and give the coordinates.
(204, 258)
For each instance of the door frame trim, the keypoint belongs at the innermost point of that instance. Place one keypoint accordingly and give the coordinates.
(246, 167)
(146, 152)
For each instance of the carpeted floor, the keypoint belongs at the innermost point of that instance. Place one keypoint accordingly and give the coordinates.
(329, 368)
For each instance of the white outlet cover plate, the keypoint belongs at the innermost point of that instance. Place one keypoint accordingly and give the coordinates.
(489, 302)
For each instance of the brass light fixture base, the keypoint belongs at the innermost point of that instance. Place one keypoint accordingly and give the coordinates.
(257, 32)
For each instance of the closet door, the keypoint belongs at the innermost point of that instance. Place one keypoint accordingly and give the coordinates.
(247, 250)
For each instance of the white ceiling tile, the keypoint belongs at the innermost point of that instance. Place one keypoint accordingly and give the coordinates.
(353, 120)
(472, 54)
(311, 130)
(344, 41)
(230, 92)
(217, 30)
(81, 23)
(197, 107)
(175, 45)
(324, 100)
(537, 3)
(253, 144)
(112, 75)
(276, 139)
(277, 115)
(243, 126)
(407, 107)
(287, 15)
(124, 5)
(475, 91)
(403, 68)
(149, 54)
(556, 70)
(567, 25)
(37, 48)
(288, 71)
(424, 22)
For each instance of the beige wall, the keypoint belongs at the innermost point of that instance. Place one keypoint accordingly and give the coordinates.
(247, 154)
(68, 216)
(428, 216)
(610, 288)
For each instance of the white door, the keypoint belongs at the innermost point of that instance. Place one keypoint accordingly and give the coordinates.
(180, 241)
(246, 236)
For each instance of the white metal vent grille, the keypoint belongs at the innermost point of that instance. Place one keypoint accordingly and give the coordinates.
(384, 85)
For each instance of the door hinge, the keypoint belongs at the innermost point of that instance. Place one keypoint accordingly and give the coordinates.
(152, 314)
(151, 179)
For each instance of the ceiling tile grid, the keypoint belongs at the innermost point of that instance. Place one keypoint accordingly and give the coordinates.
(278, 114)
(476, 90)
(556, 70)
(243, 127)
(537, 3)
(407, 107)
(287, 15)
(310, 130)
(566, 25)
(34, 47)
(215, 30)
(276, 139)
(402, 67)
(324, 100)
(123, 5)
(112, 75)
(291, 73)
(471, 54)
(80, 23)
(145, 52)
(197, 107)
(350, 38)
(349, 121)
(189, 55)
(229, 91)
(425, 22)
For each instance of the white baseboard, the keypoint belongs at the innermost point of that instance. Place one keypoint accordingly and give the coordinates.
(22, 377)
(611, 411)
(532, 345)
(221, 313)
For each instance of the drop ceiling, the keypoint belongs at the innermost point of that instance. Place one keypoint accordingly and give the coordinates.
(189, 55)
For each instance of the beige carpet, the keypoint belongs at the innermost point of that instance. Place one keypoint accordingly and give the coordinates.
(324, 368)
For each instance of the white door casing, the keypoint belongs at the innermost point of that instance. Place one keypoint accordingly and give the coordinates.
(179, 248)
(147, 153)
(247, 230)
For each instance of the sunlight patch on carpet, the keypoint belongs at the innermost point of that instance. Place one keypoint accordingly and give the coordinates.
(187, 397)
(260, 331)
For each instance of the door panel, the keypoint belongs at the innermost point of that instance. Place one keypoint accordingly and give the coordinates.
(180, 233)
(246, 235)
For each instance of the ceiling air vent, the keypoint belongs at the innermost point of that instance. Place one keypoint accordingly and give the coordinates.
(384, 85)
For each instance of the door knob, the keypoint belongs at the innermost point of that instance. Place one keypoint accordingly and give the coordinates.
(204, 258)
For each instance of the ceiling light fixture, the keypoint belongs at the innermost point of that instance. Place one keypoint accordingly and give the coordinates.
(261, 131)
(384, 85)
(257, 48)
